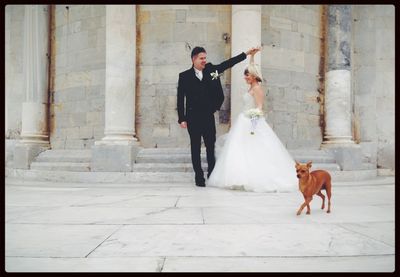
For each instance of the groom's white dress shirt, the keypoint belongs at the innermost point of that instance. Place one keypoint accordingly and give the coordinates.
(199, 74)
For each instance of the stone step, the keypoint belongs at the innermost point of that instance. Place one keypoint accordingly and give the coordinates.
(159, 167)
(67, 152)
(186, 158)
(314, 159)
(310, 152)
(187, 167)
(363, 177)
(61, 155)
(167, 158)
(156, 151)
(166, 167)
(295, 152)
(367, 165)
(60, 166)
(71, 159)
(325, 166)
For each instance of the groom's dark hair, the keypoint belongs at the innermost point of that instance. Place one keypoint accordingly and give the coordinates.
(197, 50)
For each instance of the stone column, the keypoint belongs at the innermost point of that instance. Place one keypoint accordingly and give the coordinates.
(34, 132)
(118, 149)
(246, 33)
(338, 90)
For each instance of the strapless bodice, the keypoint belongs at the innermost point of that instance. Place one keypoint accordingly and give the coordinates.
(248, 101)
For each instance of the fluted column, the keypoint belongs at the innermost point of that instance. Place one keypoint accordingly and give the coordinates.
(246, 33)
(338, 100)
(120, 75)
(34, 132)
(118, 149)
(35, 61)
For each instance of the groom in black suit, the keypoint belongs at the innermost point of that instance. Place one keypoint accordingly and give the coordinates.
(201, 86)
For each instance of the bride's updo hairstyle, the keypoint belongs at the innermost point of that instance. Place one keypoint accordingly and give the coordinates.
(252, 70)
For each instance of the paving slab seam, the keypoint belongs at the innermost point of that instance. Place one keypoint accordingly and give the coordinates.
(160, 268)
(163, 209)
(199, 257)
(187, 256)
(177, 200)
(273, 257)
(68, 224)
(46, 257)
(104, 240)
(202, 216)
(186, 224)
(340, 225)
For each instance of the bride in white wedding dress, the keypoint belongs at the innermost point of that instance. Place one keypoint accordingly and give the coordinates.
(253, 158)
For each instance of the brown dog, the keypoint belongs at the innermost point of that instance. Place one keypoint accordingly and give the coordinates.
(311, 183)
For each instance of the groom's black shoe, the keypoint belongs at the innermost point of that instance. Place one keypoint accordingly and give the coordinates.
(200, 183)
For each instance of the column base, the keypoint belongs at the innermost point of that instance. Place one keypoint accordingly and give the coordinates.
(347, 155)
(118, 140)
(37, 140)
(338, 140)
(25, 153)
(114, 157)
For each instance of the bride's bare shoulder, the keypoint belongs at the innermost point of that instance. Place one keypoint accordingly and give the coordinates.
(257, 89)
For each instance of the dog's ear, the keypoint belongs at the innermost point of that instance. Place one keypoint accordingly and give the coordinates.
(297, 164)
(309, 164)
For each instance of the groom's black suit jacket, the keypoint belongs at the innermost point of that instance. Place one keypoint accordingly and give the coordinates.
(202, 97)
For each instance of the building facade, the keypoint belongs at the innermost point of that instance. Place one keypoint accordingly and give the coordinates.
(96, 76)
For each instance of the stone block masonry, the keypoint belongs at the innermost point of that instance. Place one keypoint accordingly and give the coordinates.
(167, 35)
(78, 102)
(373, 82)
(290, 60)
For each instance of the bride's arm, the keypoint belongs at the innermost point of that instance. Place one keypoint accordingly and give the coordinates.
(252, 52)
(252, 59)
(259, 97)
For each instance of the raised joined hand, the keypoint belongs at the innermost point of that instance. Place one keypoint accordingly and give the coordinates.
(253, 50)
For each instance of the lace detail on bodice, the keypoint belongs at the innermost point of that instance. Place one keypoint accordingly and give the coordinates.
(248, 101)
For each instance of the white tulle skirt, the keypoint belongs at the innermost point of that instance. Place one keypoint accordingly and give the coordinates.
(256, 162)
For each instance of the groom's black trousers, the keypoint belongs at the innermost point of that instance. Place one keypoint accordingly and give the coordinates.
(202, 126)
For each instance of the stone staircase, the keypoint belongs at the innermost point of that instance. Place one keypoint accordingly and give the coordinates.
(179, 160)
(157, 165)
(63, 160)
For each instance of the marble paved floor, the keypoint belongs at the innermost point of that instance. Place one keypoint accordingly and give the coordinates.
(66, 227)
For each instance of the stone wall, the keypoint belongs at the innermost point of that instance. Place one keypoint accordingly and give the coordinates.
(373, 82)
(290, 66)
(78, 97)
(167, 33)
